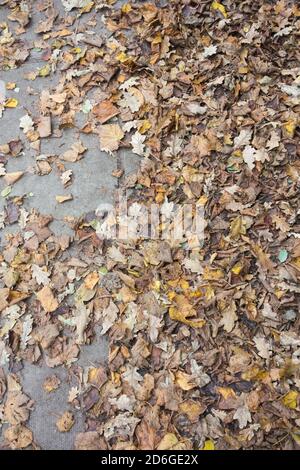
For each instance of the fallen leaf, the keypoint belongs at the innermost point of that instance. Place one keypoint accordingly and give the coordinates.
(11, 178)
(110, 136)
(64, 198)
(65, 422)
(105, 111)
(47, 299)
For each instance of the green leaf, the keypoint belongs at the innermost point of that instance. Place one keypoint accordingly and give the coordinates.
(6, 191)
(283, 255)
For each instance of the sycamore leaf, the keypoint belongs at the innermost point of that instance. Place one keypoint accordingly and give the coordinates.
(290, 399)
(132, 376)
(243, 416)
(243, 138)
(137, 142)
(263, 346)
(40, 275)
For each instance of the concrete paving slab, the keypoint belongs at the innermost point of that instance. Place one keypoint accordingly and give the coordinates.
(93, 184)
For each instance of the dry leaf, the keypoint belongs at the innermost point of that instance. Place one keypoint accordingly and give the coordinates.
(110, 136)
(47, 299)
(65, 422)
(104, 111)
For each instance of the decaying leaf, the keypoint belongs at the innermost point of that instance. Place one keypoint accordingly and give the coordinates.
(110, 136)
(47, 299)
(65, 422)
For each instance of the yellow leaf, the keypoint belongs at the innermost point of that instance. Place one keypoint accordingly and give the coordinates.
(208, 445)
(237, 268)
(11, 103)
(145, 126)
(202, 201)
(227, 139)
(167, 442)
(126, 8)
(237, 227)
(209, 293)
(218, 6)
(290, 127)
(183, 310)
(121, 57)
(296, 437)
(212, 274)
(184, 381)
(87, 7)
(44, 71)
(290, 399)
(157, 39)
(192, 409)
(243, 70)
(226, 392)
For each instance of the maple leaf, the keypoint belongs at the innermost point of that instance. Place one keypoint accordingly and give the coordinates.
(65, 422)
(26, 123)
(263, 347)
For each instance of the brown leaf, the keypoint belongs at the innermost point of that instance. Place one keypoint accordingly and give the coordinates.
(47, 299)
(16, 409)
(18, 437)
(44, 126)
(11, 178)
(65, 422)
(74, 153)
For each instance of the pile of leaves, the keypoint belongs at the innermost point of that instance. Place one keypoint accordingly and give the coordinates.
(204, 344)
